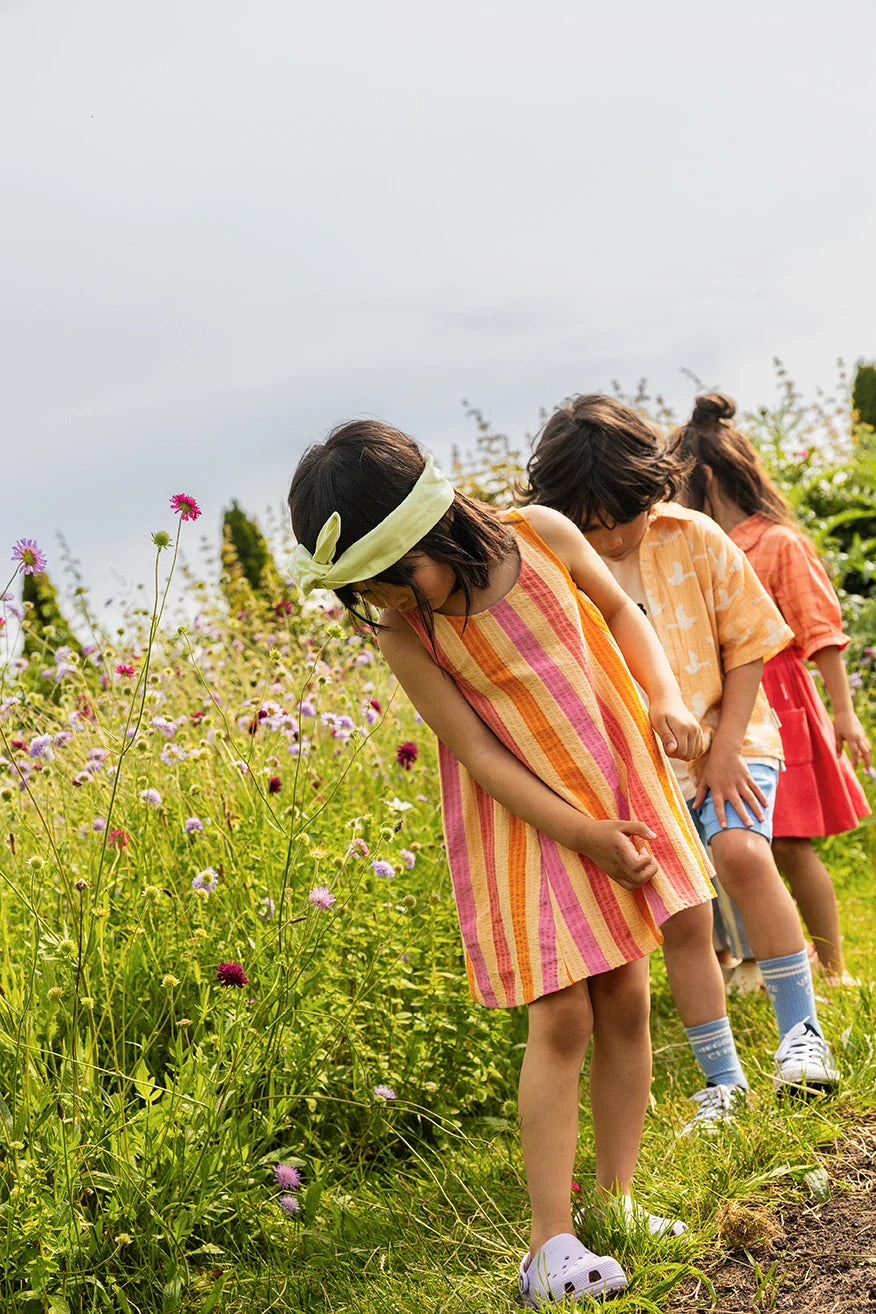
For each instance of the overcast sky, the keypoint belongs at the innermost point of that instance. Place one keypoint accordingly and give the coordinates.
(226, 227)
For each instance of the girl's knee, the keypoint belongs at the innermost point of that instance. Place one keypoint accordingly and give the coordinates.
(743, 857)
(689, 929)
(563, 1021)
(622, 999)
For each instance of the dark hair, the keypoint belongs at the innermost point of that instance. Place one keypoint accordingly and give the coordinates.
(598, 462)
(363, 471)
(709, 439)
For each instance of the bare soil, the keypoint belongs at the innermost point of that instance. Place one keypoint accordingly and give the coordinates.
(808, 1258)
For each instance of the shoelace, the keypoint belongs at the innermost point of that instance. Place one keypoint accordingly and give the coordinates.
(713, 1101)
(804, 1046)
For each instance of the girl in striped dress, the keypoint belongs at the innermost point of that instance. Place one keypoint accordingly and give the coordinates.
(567, 838)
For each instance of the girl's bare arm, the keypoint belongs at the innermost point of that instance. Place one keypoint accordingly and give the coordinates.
(847, 727)
(499, 772)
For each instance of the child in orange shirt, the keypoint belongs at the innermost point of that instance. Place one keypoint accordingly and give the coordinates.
(601, 465)
(817, 793)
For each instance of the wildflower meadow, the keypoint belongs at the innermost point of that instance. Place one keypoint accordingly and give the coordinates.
(240, 1069)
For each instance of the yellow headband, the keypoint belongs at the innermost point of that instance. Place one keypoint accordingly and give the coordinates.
(384, 545)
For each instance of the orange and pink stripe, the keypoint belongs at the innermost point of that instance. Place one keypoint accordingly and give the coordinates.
(542, 670)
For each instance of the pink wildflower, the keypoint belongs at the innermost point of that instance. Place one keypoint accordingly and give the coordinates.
(321, 897)
(406, 755)
(289, 1203)
(231, 974)
(384, 1092)
(287, 1177)
(275, 784)
(119, 839)
(123, 669)
(185, 506)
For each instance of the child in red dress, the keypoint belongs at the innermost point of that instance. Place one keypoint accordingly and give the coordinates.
(818, 793)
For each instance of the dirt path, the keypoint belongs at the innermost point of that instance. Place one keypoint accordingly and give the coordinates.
(821, 1258)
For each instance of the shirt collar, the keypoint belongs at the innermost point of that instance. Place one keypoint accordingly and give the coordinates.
(747, 532)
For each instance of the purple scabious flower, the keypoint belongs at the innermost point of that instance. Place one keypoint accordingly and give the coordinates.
(41, 747)
(152, 797)
(408, 858)
(192, 824)
(289, 1203)
(384, 1092)
(321, 897)
(856, 680)
(206, 880)
(231, 974)
(381, 868)
(28, 557)
(99, 825)
(287, 1177)
(267, 909)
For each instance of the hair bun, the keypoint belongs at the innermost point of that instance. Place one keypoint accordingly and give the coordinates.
(713, 406)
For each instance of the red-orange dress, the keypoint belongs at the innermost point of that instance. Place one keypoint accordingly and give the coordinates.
(818, 792)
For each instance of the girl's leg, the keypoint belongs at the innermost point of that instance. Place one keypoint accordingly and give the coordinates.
(745, 867)
(620, 1072)
(560, 1026)
(697, 985)
(813, 889)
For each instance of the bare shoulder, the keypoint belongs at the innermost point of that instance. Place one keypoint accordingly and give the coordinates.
(394, 634)
(557, 530)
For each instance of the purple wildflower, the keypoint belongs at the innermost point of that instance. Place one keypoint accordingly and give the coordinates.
(856, 680)
(408, 858)
(287, 1177)
(231, 974)
(321, 897)
(289, 1203)
(384, 1092)
(152, 797)
(30, 560)
(206, 880)
(99, 824)
(192, 824)
(41, 747)
(382, 868)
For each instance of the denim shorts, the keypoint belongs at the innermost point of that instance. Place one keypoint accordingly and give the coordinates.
(705, 818)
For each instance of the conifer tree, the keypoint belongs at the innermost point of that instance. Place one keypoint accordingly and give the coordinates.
(864, 394)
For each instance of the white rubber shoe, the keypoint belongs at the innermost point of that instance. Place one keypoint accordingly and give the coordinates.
(804, 1060)
(635, 1215)
(563, 1266)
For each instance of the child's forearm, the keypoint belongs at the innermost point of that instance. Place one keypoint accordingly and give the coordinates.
(833, 670)
(512, 784)
(737, 703)
(642, 652)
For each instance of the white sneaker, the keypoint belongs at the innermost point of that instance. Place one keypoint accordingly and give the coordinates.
(804, 1059)
(715, 1107)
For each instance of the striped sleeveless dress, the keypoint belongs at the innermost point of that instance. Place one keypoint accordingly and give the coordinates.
(541, 668)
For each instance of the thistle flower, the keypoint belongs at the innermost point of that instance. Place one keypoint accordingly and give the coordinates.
(289, 1203)
(231, 974)
(184, 506)
(206, 880)
(287, 1177)
(381, 868)
(321, 897)
(31, 561)
(384, 1092)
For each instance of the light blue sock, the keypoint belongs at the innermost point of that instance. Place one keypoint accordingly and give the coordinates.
(715, 1051)
(789, 985)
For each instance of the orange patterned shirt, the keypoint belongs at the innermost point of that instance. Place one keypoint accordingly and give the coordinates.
(788, 567)
(711, 615)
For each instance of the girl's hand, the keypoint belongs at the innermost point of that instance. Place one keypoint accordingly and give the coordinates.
(618, 848)
(730, 781)
(678, 729)
(848, 729)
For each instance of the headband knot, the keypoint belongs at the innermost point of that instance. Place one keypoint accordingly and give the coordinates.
(429, 499)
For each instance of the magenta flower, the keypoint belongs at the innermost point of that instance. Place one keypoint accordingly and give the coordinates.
(119, 839)
(358, 846)
(31, 561)
(231, 974)
(383, 868)
(275, 784)
(287, 1177)
(321, 897)
(289, 1203)
(123, 669)
(406, 755)
(384, 1092)
(185, 506)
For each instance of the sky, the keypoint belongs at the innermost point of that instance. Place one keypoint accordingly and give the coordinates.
(226, 228)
